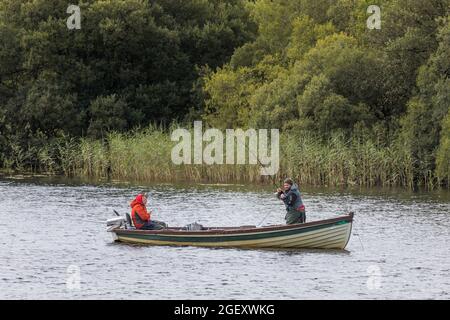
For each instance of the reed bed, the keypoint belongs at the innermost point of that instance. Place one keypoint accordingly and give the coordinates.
(339, 161)
(145, 155)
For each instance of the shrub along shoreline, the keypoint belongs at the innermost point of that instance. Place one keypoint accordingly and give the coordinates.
(355, 105)
(145, 155)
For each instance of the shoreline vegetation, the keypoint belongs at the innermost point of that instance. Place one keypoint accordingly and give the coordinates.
(145, 155)
(355, 105)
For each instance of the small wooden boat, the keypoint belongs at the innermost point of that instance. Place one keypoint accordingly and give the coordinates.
(325, 234)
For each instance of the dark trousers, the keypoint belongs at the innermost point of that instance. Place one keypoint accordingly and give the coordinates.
(295, 216)
(154, 225)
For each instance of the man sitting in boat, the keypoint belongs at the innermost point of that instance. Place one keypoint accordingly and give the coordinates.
(141, 217)
(293, 202)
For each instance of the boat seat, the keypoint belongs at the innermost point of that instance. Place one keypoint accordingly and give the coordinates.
(129, 221)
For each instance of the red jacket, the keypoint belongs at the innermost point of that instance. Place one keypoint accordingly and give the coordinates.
(139, 212)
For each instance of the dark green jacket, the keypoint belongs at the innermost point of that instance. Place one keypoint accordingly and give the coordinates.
(292, 198)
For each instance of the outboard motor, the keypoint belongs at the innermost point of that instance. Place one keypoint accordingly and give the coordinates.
(114, 223)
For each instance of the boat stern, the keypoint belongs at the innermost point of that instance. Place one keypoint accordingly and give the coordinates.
(113, 224)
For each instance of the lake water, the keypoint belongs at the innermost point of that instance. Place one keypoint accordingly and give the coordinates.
(53, 244)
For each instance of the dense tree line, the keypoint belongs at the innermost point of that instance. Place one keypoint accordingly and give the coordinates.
(316, 67)
(133, 62)
(299, 65)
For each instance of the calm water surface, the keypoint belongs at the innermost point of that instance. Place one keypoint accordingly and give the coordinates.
(52, 232)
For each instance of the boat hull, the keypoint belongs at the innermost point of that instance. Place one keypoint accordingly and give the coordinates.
(325, 234)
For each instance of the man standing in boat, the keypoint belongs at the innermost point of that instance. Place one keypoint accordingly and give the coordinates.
(293, 202)
(141, 217)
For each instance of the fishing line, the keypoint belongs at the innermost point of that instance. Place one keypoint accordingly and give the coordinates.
(357, 234)
(258, 225)
(272, 179)
(347, 208)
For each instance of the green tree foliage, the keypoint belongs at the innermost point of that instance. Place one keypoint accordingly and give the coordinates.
(133, 62)
(316, 67)
(304, 66)
(425, 126)
(107, 114)
(409, 39)
(443, 153)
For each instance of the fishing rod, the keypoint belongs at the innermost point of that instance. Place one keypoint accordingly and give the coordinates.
(258, 225)
(273, 177)
(267, 215)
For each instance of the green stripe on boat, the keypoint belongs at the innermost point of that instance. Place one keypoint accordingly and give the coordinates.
(226, 238)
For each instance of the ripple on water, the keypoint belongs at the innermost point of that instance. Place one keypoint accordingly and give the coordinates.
(391, 245)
